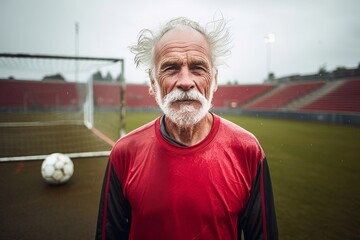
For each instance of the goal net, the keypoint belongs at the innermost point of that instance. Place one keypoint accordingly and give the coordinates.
(72, 105)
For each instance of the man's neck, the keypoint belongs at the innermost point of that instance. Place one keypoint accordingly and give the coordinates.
(190, 135)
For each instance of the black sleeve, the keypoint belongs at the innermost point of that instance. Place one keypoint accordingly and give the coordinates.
(258, 221)
(114, 210)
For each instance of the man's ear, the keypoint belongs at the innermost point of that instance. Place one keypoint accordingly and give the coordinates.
(216, 80)
(152, 88)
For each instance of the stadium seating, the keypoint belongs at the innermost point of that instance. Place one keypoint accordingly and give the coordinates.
(137, 96)
(288, 93)
(345, 98)
(37, 95)
(106, 95)
(234, 96)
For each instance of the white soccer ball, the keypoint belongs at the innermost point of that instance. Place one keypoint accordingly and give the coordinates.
(57, 168)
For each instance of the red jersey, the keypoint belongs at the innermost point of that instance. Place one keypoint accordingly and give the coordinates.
(157, 190)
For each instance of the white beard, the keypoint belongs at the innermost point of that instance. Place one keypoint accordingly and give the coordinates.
(187, 114)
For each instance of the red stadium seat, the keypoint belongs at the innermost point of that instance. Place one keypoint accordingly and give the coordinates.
(235, 96)
(286, 95)
(345, 98)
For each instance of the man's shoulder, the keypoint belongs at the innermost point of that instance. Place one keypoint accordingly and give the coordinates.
(233, 129)
(241, 140)
(129, 146)
(139, 134)
(238, 135)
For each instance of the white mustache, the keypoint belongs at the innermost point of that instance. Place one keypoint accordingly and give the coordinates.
(179, 95)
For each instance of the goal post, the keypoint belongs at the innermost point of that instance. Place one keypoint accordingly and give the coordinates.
(54, 90)
(89, 105)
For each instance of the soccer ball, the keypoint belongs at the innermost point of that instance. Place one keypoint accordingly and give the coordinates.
(57, 168)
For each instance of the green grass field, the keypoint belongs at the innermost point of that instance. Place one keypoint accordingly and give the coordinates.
(315, 171)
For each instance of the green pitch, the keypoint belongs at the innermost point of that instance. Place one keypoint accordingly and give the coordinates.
(315, 172)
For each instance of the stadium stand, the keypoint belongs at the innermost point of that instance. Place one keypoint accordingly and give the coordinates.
(345, 98)
(137, 96)
(234, 96)
(285, 94)
(17, 94)
(322, 96)
(106, 95)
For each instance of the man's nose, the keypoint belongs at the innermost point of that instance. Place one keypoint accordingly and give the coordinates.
(185, 80)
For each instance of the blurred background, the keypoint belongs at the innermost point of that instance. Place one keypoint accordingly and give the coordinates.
(68, 84)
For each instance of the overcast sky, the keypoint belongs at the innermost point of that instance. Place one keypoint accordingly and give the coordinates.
(308, 33)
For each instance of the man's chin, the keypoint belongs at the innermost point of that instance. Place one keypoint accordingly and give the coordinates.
(185, 118)
(186, 110)
(178, 105)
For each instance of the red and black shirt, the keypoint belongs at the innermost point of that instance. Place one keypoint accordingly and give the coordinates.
(155, 189)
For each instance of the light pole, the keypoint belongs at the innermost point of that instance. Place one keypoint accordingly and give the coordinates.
(76, 51)
(268, 39)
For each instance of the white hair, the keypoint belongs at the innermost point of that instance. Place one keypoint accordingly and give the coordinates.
(215, 32)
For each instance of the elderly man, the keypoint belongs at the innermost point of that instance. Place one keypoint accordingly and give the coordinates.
(189, 174)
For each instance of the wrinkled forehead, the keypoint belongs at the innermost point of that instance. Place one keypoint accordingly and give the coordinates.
(182, 41)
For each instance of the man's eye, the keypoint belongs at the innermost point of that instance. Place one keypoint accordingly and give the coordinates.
(199, 68)
(170, 68)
